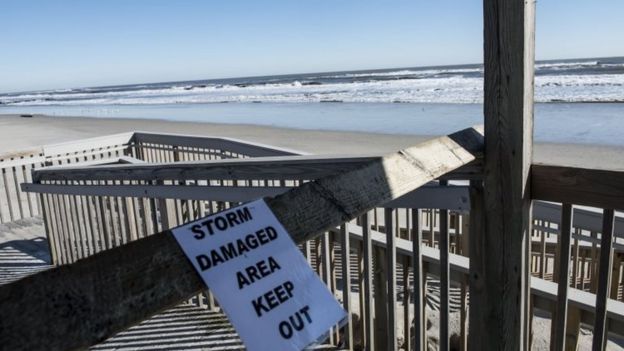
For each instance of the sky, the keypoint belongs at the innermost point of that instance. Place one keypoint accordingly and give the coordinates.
(72, 43)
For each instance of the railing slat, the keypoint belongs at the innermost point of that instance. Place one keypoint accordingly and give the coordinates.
(345, 249)
(390, 223)
(443, 246)
(420, 320)
(604, 281)
(564, 279)
(368, 318)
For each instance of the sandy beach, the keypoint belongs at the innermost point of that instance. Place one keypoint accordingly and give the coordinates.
(17, 133)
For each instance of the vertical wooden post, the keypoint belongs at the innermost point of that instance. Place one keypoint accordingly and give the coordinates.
(604, 280)
(391, 230)
(368, 312)
(346, 283)
(501, 274)
(561, 317)
(443, 245)
(420, 325)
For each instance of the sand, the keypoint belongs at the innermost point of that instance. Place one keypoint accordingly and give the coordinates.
(18, 133)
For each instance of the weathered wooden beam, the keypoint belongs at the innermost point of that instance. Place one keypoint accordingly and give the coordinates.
(77, 305)
(451, 197)
(580, 186)
(499, 266)
(258, 168)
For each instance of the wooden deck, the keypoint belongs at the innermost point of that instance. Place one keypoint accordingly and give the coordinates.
(106, 201)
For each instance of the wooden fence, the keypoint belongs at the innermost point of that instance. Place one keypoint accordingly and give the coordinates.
(94, 208)
(16, 167)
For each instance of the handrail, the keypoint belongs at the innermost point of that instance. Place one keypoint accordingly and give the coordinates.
(432, 196)
(16, 167)
(230, 144)
(581, 186)
(258, 168)
(152, 273)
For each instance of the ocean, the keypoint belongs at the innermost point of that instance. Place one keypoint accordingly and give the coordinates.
(578, 100)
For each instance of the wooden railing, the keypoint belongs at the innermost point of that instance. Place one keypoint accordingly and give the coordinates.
(597, 188)
(380, 180)
(115, 204)
(16, 167)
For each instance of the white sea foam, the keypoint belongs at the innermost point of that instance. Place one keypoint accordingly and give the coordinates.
(444, 89)
(566, 65)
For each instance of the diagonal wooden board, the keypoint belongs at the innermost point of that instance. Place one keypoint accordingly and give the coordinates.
(78, 305)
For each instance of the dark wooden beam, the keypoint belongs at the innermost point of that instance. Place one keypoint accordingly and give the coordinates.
(580, 186)
(499, 279)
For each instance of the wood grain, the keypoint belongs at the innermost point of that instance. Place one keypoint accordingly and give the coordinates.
(77, 305)
(579, 186)
(502, 273)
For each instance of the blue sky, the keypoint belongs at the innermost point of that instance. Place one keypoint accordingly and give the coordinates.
(62, 43)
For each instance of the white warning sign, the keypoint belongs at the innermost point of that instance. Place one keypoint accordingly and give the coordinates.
(260, 278)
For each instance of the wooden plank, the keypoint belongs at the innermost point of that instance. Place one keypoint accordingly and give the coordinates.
(573, 329)
(345, 249)
(267, 168)
(282, 167)
(508, 110)
(443, 246)
(589, 187)
(452, 197)
(107, 292)
(19, 162)
(87, 144)
(391, 284)
(604, 282)
(8, 194)
(19, 196)
(368, 316)
(407, 336)
(326, 274)
(59, 234)
(544, 293)
(420, 319)
(380, 289)
(47, 225)
(230, 144)
(7, 156)
(561, 317)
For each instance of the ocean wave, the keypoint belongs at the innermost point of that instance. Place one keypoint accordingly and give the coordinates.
(440, 89)
(566, 65)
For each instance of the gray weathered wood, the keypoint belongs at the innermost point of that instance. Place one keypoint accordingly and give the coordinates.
(367, 252)
(391, 284)
(604, 282)
(443, 246)
(508, 110)
(452, 197)
(263, 168)
(564, 279)
(589, 187)
(86, 302)
(345, 248)
(420, 325)
(208, 142)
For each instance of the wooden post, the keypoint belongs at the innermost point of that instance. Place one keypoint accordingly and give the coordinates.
(502, 274)
(420, 326)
